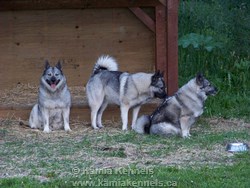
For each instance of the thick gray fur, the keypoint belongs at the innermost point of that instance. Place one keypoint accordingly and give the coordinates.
(107, 85)
(54, 101)
(178, 113)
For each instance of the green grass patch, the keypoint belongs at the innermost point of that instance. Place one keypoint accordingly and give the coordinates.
(222, 176)
(218, 46)
(73, 160)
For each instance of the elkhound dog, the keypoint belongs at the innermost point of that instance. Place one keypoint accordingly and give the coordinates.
(54, 101)
(108, 85)
(177, 113)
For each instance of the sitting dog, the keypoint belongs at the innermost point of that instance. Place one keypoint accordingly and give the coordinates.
(177, 113)
(54, 101)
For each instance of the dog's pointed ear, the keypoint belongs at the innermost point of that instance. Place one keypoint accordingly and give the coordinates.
(157, 73)
(47, 65)
(154, 77)
(59, 65)
(199, 78)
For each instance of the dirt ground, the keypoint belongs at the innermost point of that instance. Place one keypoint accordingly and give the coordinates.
(215, 155)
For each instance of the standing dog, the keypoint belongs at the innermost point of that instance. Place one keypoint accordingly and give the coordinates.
(107, 85)
(177, 113)
(54, 101)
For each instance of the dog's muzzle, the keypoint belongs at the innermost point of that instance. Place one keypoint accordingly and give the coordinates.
(212, 92)
(161, 94)
(53, 82)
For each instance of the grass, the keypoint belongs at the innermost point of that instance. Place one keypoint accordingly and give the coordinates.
(110, 157)
(214, 39)
(160, 176)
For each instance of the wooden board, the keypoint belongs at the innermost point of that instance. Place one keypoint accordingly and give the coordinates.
(172, 45)
(37, 30)
(81, 113)
(74, 4)
(77, 37)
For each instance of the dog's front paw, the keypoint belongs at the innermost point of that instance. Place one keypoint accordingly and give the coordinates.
(96, 128)
(132, 126)
(47, 130)
(32, 126)
(124, 129)
(100, 126)
(186, 136)
(67, 129)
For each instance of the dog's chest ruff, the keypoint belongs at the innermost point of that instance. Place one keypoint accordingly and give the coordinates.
(54, 104)
(55, 101)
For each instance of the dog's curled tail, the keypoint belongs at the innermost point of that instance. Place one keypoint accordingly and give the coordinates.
(105, 62)
(142, 125)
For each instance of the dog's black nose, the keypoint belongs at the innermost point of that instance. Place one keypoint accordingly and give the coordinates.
(53, 79)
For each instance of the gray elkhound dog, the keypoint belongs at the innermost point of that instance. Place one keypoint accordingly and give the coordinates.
(54, 101)
(107, 85)
(177, 113)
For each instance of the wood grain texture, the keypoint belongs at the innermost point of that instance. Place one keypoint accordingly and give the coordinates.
(78, 37)
(161, 39)
(172, 46)
(81, 113)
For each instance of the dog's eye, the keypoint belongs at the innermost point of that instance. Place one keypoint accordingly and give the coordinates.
(56, 74)
(49, 74)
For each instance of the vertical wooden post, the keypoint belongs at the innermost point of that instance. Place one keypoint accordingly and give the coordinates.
(166, 23)
(161, 39)
(172, 46)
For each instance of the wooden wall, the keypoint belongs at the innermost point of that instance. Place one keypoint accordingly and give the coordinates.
(77, 37)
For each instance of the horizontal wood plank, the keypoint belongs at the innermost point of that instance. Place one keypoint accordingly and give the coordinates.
(72, 4)
(81, 113)
(78, 37)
